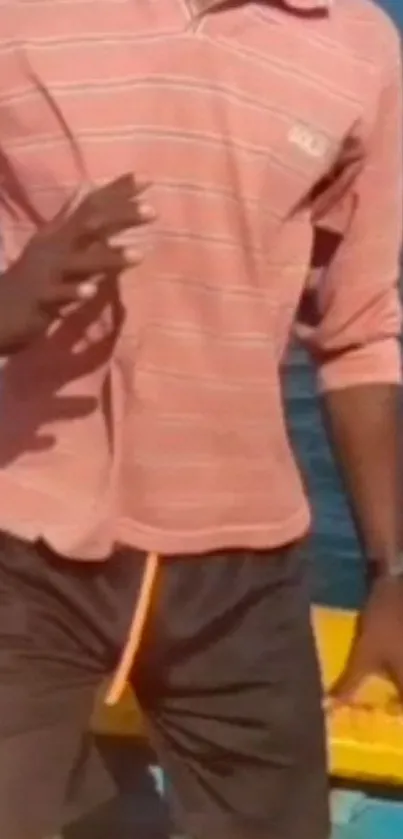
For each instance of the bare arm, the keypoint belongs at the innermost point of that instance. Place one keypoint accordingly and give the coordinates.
(355, 341)
(365, 427)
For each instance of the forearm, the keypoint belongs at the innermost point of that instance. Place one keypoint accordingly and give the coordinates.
(365, 428)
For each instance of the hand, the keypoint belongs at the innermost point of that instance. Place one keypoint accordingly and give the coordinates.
(64, 262)
(378, 644)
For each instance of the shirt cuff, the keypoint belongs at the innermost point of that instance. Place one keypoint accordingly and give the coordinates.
(375, 363)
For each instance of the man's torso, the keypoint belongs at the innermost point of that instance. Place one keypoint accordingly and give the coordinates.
(154, 414)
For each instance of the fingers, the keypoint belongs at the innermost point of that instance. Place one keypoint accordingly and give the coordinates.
(344, 690)
(124, 188)
(66, 294)
(116, 220)
(113, 207)
(97, 259)
(396, 674)
(119, 191)
(74, 252)
(108, 209)
(85, 271)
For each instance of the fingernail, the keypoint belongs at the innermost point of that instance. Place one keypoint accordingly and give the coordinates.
(87, 290)
(147, 212)
(133, 256)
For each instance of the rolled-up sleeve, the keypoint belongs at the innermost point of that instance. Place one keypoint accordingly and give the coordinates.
(357, 336)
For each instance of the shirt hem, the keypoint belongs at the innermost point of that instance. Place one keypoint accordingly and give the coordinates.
(242, 536)
(97, 540)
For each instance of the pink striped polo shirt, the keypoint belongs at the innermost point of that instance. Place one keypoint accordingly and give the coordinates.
(153, 415)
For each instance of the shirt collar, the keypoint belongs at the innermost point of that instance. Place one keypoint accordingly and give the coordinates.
(294, 5)
(308, 5)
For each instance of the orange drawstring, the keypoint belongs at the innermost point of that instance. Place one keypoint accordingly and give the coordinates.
(139, 618)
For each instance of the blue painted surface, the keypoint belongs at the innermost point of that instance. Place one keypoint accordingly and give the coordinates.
(355, 815)
(395, 9)
(347, 806)
(375, 819)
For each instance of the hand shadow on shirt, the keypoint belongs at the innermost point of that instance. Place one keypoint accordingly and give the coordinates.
(40, 402)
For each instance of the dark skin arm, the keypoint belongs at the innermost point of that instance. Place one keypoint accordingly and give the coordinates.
(365, 425)
(369, 456)
(352, 323)
(67, 259)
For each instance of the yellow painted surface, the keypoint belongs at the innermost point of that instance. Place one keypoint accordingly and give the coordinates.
(365, 742)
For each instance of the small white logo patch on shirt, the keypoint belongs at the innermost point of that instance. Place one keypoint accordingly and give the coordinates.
(309, 141)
